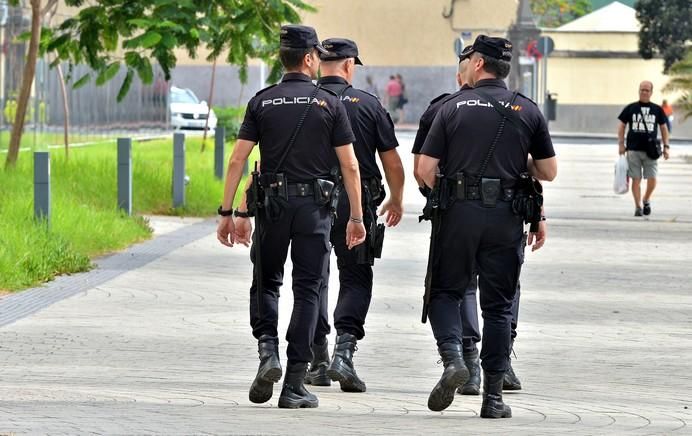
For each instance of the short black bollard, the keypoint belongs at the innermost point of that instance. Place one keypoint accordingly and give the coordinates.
(219, 150)
(178, 170)
(125, 175)
(42, 186)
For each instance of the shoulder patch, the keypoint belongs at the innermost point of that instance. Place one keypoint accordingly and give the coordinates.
(439, 97)
(265, 89)
(529, 99)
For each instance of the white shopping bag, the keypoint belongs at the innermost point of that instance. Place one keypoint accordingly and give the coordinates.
(622, 183)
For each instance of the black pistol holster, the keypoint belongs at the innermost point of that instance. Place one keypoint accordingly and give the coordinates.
(373, 195)
(529, 200)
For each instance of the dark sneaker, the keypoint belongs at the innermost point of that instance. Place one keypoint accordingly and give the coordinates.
(647, 208)
(638, 211)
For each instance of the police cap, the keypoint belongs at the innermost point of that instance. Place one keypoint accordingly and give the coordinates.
(498, 48)
(466, 53)
(340, 48)
(295, 36)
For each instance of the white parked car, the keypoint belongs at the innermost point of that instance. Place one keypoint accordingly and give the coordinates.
(187, 112)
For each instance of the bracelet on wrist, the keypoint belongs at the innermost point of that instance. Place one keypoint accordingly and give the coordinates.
(222, 212)
(240, 214)
(356, 220)
(666, 146)
(543, 218)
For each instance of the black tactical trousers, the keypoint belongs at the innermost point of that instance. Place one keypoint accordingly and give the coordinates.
(355, 283)
(304, 226)
(468, 310)
(490, 238)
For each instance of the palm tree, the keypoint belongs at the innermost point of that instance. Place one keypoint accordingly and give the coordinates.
(681, 82)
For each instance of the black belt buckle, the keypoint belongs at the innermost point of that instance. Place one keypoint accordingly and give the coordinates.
(461, 186)
(490, 191)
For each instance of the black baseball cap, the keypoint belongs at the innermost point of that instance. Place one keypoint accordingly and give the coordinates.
(466, 53)
(295, 36)
(498, 48)
(340, 48)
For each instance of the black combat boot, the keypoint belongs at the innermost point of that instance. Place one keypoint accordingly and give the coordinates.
(341, 368)
(294, 395)
(493, 407)
(473, 384)
(454, 375)
(511, 381)
(317, 374)
(269, 371)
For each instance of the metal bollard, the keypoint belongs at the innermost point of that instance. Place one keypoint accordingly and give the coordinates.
(178, 170)
(125, 175)
(42, 186)
(219, 150)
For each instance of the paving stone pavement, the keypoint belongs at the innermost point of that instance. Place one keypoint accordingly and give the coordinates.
(162, 345)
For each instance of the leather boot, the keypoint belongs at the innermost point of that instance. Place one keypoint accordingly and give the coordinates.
(269, 371)
(317, 374)
(341, 367)
(294, 395)
(454, 375)
(473, 384)
(511, 381)
(493, 407)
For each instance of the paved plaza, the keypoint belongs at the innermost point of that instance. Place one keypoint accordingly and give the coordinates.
(156, 340)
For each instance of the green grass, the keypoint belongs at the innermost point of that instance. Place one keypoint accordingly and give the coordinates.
(85, 221)
(42, 140)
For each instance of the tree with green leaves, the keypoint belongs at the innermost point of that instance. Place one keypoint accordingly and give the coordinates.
(555, 13)
(665, 29)
(108, 35)
(681, 82)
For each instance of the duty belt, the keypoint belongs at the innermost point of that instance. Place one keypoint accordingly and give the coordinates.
(460, 189)
(300, 189)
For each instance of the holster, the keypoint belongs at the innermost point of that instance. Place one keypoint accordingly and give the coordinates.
(275, 189)
(529, 201)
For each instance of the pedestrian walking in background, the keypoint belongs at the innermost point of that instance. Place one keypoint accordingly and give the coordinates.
(393, 94)
(668, 110)
(643, 119)
(402, 98)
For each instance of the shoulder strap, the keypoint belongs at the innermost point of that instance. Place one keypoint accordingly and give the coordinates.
(500, 129)
(297, 129)
(646, 128)
(506, 113)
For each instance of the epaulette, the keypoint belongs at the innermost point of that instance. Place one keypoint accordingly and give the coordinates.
(265, 89)
(528, 98)
(439, 97)
(329, 91)
(369, 93)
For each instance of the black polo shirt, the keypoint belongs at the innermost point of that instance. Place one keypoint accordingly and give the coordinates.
(428, 117)
(271, 118)
(466, 125)
(372, 125)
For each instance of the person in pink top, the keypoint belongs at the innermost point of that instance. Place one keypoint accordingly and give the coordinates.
(393, 92)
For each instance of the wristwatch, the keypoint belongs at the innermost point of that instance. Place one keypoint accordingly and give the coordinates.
(222, 212)
(666, 146)
(237, 213)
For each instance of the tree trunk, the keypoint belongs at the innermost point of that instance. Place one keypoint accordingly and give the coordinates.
(27, 80)
(66, 112)
(211, 97)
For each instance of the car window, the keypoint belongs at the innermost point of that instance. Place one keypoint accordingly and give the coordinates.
(183, 96)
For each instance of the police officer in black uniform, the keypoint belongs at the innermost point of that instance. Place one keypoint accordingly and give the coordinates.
(481, 140)
(306, 127)
(468, 308)
(374, 131)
